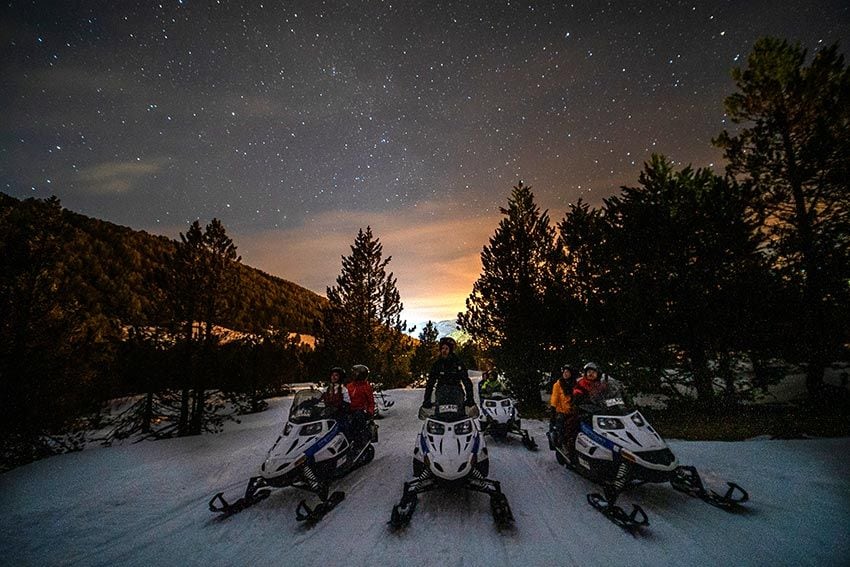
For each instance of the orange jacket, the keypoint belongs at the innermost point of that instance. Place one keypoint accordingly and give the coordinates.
(362, 397)
(560, 400)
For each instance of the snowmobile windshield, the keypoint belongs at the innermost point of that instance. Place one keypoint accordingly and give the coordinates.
(308, 406)
(497, 395)
(608, 398)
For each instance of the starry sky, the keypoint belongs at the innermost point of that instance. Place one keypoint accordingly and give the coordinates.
(296, 123)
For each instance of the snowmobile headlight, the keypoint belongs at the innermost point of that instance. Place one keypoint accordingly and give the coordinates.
(436, 428)
(610, 423)
(637, 419)
(506, 403)
(463, 428)
(490, 404)
(311, 429)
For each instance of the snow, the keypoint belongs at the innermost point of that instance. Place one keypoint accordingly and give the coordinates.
(146, 503)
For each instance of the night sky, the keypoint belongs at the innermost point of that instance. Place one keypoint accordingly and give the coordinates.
(296, 123)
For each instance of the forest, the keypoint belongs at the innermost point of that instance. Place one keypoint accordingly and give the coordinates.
(702, 287)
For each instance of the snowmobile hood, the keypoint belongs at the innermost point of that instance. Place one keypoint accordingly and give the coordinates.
(297, 443)
(451, 447)
(633, 438)
(500, 410)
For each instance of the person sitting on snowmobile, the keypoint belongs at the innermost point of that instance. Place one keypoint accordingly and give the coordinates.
(362, 403)
(450, 377)
(489, 384)
(562, 418)
(589, 387)
(336, 396)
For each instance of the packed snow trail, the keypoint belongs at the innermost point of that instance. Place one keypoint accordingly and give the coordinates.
(146, 503)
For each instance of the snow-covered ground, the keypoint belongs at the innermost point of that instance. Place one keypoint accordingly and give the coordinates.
(146, 503)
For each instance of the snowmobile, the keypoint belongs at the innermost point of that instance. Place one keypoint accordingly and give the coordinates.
(499, 417)
(310, 452)
(382, 403)
(450, 452)
(616, 447)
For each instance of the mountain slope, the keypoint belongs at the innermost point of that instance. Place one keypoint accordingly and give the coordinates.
(122, 274)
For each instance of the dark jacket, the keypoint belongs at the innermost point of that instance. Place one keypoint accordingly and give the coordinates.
(449, 373)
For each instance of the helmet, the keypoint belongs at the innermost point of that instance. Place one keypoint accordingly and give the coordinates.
(591, 366)
(359, 372)
(448, 341)
(339, 370)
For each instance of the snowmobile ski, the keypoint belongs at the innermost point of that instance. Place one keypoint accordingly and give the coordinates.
(256, 492)
(501, 510)
(303, 513)
(686, 479)
(403, 511)
(629, 522)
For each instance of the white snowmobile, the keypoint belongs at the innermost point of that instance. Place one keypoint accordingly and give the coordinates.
(499, 417)
(383, 402)
(617, 447)
(450, 451)
(310, 452)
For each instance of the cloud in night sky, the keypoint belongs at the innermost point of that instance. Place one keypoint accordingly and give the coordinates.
(117, 177)
(296, 123)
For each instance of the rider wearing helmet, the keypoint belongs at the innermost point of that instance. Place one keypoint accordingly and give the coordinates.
(589, 386)
(489, 384)
(362, 402)
(450, 377)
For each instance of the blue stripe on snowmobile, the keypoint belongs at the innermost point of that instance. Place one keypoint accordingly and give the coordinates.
(423, 444)
(322, 442)
(596, 438)
(475, 444)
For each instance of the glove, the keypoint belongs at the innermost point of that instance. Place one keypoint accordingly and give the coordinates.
(427, 404)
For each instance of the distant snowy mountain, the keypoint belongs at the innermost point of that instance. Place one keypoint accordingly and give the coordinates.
(446, 328)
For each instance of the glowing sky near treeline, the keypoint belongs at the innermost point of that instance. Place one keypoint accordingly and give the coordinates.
(296, 123)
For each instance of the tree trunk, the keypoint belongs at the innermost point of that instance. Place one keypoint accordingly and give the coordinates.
(812, 289)
(702, 379)
(183, 424)
(147, 416)
(730, 395)
(198, 411)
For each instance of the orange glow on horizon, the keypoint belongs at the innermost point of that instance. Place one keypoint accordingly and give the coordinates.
(435, 253)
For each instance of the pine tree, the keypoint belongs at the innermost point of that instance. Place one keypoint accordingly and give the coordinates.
(362, 323)
(508, 312)
(794, 149)
(426, 351)
(36, 323)
(205, 277)
(683, 269)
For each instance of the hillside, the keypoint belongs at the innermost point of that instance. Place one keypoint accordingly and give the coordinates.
(119, 272)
